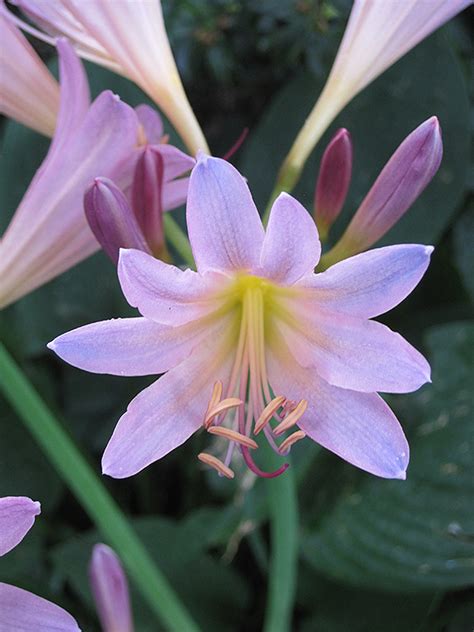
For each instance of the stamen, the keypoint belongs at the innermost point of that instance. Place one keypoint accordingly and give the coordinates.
(268, 412)
(215, 397)
(214, 462)
(292, 418)
(233, 435)
(289, 441)
(256, 470)
(225, 404)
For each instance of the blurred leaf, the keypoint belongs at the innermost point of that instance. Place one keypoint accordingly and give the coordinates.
(214, 593)
(24, 471)
(464, 249)
(363, 611)
(417, 534)
(427, 81)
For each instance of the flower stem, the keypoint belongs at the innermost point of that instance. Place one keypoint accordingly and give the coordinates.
(284, 552)
(178, 239)
(92, 495)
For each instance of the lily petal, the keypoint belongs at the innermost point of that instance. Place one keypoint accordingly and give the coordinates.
(17, 516)
(358, 427)
(128, 346)
(371, 283)
(176, 163)
(160, 291)
(224, 226)
(168, 412)
(291, 248)
(29, 92)
(152, 123)
(22, 611)
(356, 354)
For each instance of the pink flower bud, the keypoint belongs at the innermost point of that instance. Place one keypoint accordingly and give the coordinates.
(399, 184)
(333, 181)
(147, 196)
(110, 590)
(111, 219)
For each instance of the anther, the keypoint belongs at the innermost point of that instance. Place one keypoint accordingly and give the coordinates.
(233, 435)
(268, 412)
(217, 464)
(292, 418)
(215, 397)
(289, 441)
(225, 404)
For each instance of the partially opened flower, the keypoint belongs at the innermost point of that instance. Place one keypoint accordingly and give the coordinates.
(49, 232)
(378, 33)
(254, 342)
(28, 91)
(110, 590)
(129, 37)
(20, 609)
(400, 183)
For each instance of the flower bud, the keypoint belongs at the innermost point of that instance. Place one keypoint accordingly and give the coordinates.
(333, 181)
(111, 219)
(147, 200)
(110, 590)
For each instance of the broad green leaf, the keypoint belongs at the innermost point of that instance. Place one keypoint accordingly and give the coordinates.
(429, 81)
(416, 534)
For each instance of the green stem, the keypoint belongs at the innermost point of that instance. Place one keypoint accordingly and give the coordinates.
(178, 239)
(92, 495)
(284, 552)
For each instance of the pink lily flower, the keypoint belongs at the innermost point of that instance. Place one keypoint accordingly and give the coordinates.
(49, 232)
(128, 37)
(28, 91)
(378, 33)
(20, 609)
(110, 589)
(254, 342)
(400, 183)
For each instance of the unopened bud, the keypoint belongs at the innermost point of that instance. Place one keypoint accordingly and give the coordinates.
(333, 181)
(111, 219)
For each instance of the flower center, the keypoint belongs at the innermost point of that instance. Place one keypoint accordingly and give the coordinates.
(249, 406)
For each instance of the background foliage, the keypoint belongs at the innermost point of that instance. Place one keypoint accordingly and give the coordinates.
(374, 554)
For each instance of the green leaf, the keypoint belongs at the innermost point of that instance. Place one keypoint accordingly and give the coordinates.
(416, 534)
(429, 81)
(464, 250)
(214, 593)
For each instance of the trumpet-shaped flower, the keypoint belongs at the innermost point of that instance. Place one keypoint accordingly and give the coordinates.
(19, 609)
(400, 182)
(129, 37)
(28, 92)
(377, 34)
(254, 343)
(110, 589)
(49, 232)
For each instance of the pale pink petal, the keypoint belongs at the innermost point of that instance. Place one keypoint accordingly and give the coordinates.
(49, 232)
(291, 247)
(151, 122)
(21, 611)
(128, 346)
(28, 91)
(110, 589)
(358, 427)
(75, 99)
(17, 516)
(371, 283)
(176, 162)
(224, 226)
(163, 292)
(361, 355)
(169, 411)
(175, 193)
